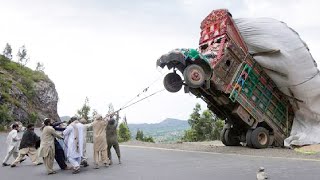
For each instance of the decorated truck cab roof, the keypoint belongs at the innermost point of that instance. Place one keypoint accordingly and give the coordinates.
(182, 55)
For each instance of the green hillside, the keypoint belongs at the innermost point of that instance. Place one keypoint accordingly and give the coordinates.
(25, 94)
(169, 130)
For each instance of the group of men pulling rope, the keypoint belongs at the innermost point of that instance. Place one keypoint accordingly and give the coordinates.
(65, 143)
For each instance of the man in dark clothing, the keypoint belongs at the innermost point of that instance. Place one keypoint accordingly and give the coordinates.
(59, 152)
(112, 138)
(59, 156)
(28, 146)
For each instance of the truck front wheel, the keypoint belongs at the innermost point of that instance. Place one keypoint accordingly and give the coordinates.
(260, 138)
(194, 76)
(172, 82)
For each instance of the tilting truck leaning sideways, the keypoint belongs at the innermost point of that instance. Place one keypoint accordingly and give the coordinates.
(234, 86)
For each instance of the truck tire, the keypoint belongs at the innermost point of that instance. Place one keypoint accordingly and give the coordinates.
(231, 138)
(194, 76)
(222, 138)
(172, 82)
(248, 138)
(260, 138)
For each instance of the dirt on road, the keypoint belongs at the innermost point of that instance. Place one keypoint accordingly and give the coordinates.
(218, 147)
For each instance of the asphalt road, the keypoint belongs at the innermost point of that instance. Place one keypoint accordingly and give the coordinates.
(141, 163)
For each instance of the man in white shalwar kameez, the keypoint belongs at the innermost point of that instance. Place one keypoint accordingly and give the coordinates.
(13, 142)
(84, 159)
(74, 136)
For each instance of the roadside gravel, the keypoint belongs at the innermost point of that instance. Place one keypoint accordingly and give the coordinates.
(218, 147)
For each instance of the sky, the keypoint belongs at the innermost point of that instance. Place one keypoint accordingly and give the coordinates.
(107, 50)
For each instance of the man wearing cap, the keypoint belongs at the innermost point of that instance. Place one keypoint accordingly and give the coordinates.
(47, 149)
(74, 135)
(28, 146)
(13, 143)
(112, 138)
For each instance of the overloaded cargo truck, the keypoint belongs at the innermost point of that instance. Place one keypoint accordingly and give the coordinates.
(235, 87)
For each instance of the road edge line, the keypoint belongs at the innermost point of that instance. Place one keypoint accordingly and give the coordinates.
(217, 153)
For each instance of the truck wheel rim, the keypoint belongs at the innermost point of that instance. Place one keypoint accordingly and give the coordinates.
(262, 138)
(195, 75)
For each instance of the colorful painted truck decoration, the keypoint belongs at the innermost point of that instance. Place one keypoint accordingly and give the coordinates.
(234, 86)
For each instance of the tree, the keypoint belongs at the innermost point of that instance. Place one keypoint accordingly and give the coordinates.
(204, 126)
(23, 59)
(195, 116)
(218, 126)
(7, 52)
(84, 111)
(124, 133)
(139, 135)
(94, 113)
(40, 67)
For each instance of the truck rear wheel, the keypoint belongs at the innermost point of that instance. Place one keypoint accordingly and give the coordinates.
(231, 138)
(248, 138)
(260, 138)
(172, 82)
(222, 136)
(194, 76)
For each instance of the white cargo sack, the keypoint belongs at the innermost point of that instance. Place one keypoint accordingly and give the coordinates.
(293, 70)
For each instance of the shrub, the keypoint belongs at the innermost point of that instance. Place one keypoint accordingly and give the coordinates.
(4, 115)
(24, 76)
(33, 117)
(124, 134)
(148, 139)
(2, 128)
(190, 135)
(140, 137)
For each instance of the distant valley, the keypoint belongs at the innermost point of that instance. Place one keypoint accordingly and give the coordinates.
(169, 130)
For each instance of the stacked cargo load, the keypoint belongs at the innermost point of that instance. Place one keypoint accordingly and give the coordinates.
(292, 68)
